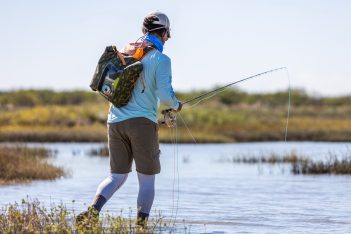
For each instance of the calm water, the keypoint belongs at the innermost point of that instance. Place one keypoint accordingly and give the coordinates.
(215, 195)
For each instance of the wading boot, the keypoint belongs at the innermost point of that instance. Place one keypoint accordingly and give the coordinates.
(142, 220)
(89, 217)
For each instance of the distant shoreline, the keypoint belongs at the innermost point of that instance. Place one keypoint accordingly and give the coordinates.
(231, 116)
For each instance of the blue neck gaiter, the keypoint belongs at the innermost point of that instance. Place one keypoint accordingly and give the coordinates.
(154, 40)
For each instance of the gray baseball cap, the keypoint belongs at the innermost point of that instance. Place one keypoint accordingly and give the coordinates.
(156, 20)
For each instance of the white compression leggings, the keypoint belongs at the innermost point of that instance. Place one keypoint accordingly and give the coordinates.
(146, 189)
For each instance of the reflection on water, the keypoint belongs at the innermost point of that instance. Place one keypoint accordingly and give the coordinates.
(214, 196)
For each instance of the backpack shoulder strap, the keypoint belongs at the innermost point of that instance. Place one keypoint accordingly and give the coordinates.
(148, 49)
(141, 54)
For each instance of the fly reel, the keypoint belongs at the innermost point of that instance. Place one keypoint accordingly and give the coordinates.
(169, 118)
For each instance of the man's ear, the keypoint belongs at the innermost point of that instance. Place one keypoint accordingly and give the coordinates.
(164, 36)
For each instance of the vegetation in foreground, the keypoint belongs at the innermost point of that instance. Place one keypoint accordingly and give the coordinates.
(304, 165)
(23, 164)
(32, 217)
(230, 116)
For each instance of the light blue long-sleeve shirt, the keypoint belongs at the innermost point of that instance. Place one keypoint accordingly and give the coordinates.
(157, 75)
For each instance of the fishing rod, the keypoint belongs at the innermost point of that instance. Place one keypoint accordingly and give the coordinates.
(236, 82)
(168, 113)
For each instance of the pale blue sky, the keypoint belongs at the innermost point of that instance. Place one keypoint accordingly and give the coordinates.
(56, 44)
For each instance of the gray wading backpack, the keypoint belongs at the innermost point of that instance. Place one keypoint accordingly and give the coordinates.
(116, 75)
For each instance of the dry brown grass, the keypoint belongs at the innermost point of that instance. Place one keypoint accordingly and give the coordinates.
(23, 164)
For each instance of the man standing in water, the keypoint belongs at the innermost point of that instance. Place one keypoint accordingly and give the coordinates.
(132, 129)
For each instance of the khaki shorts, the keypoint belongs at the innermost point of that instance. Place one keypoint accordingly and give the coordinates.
(137, 139)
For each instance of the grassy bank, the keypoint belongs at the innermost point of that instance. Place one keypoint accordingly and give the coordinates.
(21, 164)
(231, 116)
(32, 217)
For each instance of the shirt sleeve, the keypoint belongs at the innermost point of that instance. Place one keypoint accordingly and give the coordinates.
(164, 84)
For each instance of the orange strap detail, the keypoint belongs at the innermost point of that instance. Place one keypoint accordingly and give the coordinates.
(139, 53)
(121, 58)
(119, 55)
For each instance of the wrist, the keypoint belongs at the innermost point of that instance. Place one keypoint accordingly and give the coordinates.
(180, 105)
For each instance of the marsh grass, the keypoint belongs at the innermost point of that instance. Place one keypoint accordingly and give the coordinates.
(32, 217)
(303, 164)
(232, 116)
(333, 165)
(23, 164)
(272, 159)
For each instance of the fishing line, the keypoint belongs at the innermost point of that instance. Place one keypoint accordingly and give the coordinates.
(186, 126)
(177, 157)
(200, 98)
(175, 199)
(173, 181)
(289, 105)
